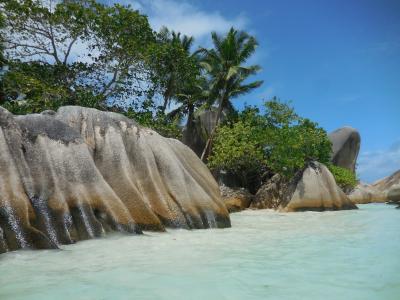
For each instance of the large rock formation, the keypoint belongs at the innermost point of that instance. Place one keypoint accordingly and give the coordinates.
(345, 147)
(383, 190)
(390, 187)
(80, 172)
(314, 188)
(203, 124)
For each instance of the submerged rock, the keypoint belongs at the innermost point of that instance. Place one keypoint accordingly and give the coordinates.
(345, 147)
(314, 188)
(235, 199)
(78, 173)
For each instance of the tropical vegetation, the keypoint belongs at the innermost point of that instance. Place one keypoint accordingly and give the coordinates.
(276, 141)
(55, 53)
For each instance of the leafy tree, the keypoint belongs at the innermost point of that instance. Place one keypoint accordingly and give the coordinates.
(27, 92)
(290, 148)
(150, 116)
(238, 150)
(279, 114)
(228, 75)
(174, 67)
(112, 43)
(190, 102)
(278, 141)
(292, 141)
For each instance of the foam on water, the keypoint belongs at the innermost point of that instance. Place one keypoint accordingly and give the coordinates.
(265, 255)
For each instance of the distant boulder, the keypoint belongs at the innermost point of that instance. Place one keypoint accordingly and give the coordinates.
(393, 194)
(390, 186)
(388, 182)
(345, 147)
(314, 189)
(384, 190)
(365, 193)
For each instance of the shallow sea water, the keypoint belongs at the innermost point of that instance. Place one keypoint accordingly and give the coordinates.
(265, 255)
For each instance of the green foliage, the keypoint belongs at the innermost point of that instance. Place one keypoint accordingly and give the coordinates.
(237, 149)
(29, 93)
(163, 124)
(279, 114)
(345, 178)
(2, 59)
(228, 75)
(113, 42)
(173, 67)
(290, 148)
(278, 141)
(122, 64)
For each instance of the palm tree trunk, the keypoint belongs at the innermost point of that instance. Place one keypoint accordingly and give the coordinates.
(188, 134)
(207, 148)
(168, 93)
(165, 104)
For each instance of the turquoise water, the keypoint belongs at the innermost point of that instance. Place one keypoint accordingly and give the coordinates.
(266, 255)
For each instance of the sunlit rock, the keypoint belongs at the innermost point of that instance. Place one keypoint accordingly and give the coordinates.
(316, 189)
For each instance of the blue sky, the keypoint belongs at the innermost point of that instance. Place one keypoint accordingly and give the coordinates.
(337, 61)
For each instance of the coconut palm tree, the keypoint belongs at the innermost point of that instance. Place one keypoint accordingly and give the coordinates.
(176, 62)
(228, 76)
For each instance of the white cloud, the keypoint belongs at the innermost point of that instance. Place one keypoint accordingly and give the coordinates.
(184, 17)
(374, 165)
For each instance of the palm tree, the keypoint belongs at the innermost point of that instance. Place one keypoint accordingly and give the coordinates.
(175, 42)
(224, 65)
(192, 98)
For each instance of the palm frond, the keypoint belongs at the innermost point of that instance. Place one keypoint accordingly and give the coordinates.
(177, 112)
(248, 49)
(244, 89)
(232, 72)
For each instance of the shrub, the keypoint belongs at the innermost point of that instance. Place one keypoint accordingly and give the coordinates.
(345, 178)
(237, 149)
(278, 141)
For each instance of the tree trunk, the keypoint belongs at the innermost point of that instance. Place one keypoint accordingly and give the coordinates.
(168, 93)
(165, 104)
(207, 148)
(187, 138)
